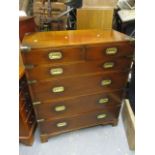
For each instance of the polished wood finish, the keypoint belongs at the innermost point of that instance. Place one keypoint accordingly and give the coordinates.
(27, 120)
(68, 80)
(21, 67)
(69, 54)
(78, 86)
(76, 105)
(80, 121)
(123, 49)
(26, 25)
(77, 68)
(54, 39)
(88, 18)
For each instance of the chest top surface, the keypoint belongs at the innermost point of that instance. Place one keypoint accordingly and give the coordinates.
(72, 38)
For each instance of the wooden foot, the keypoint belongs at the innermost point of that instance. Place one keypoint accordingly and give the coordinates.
(115, 123)
(43, 138)
(28, 141)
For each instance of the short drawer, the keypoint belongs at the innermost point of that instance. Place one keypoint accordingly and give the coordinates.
(74, 106)
(92, 118)
(47, 56)
(78, 86)
(76, 69)
(98, 52)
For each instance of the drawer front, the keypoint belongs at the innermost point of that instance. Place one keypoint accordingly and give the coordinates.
(85, 120)
(109, 50)
(75, 69)
(71, 107)
(71, 87)
(47, 56)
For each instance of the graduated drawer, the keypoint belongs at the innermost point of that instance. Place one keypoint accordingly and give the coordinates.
(73, 106)
(53, 55)
(88, 119)
(75, 69)
(70, 87)
(97, 52)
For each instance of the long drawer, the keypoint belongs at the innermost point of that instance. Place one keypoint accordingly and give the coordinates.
(75, 69)
(92, 118)
(77, 86)
(53, 55)
(113, 50)
(73, 106)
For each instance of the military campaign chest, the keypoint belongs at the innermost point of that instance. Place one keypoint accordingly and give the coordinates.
(76, 78)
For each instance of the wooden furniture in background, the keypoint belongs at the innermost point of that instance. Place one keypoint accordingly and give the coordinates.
(40, 11)
(129, 123)
(76, 78)
(21, 67)
(100, 3)
(94, 18)
(26, 25)
(27, 121)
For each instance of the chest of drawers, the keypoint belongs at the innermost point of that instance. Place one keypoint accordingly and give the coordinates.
(76, 78)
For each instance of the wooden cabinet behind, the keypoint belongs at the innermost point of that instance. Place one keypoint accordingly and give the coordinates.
(27, 120)
(76, 78)
(94, 18)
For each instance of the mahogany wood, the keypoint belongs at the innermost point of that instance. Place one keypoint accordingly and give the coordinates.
(41, 56)
(83, 56)
(99, 52)
(27, 120)
(82, 120)
(77, 68)
(72, 38)
(75, 105)
(26, 25)
(78, 86)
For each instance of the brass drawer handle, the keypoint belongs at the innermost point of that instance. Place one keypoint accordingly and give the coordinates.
(106, 82)
(56, 71)
(55, 55)
(60, 108)
(111, 51)
(108, 65)
(58, 89)
(103, 100)
(62, 124)
(101, 116)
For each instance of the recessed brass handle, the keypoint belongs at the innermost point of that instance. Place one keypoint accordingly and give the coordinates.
(101, 116)
(107, 65)
(62, 124)
(111, 51)
(60, 108)
(56, 71)
(55, 55)
(103, 100)
(106, 82)
(58, 89)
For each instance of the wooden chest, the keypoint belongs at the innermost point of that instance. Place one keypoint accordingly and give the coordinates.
(76, 78)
